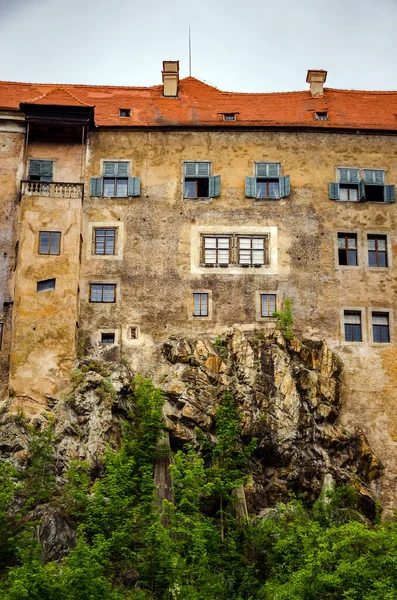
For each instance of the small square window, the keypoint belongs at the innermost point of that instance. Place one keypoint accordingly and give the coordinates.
(347, 249)
(229, 116)
(200, 304)
(49, 242)
(107, 338)
(104, 240)
(352, 322)
(268, 305)
(102, 292)
(380, 327)
(46, 285)
(321, 116)
(377, 250)
(133, 333)
(125, 112)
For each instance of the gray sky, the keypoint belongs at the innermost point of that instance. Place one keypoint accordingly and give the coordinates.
(245, 45)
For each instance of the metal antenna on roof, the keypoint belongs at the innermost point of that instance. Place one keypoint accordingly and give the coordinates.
(190, 54)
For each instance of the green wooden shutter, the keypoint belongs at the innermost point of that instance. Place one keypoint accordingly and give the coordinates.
(46, 169)
(390, 193)
(334, 191)
(123, 169)
(361, 190)
(34, 168)
(96, 186)
(134, 186)
(203, 169)
(250, 187)
(285, 186)
(374, 176)
(348, 175)
(110, 168)
(214, 186)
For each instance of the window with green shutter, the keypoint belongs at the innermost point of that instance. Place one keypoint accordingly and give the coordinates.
(198, 183)
(267, 183)
(115, 182)
(40, 170)
(361, 185)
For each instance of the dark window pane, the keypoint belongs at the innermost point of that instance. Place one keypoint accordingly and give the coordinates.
(107, 338)
(46, 285)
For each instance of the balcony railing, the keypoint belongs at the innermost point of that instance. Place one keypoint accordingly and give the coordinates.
(52, 189)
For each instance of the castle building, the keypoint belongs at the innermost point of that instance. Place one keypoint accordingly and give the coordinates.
(133, 214)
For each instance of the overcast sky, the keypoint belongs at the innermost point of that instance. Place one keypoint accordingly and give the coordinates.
(244, 45)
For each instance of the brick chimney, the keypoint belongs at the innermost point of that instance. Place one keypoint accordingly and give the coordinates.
(170, 78)
(316, 80)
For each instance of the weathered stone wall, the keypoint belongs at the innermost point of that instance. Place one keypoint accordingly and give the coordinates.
(11, 170)
(156, 279)
(155, 275)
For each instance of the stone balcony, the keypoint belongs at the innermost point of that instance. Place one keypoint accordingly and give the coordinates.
(52, 189)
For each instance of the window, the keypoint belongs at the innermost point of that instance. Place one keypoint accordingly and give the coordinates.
(361, 185)
(40, 170)
(45, 285)
(1, 335)
(380, 327)
(107, 338)
(200, 304)
(377, 250)
(352, 321)
(216, 250)
(251, 251)
(268, 305)
(49, 242)
(102, 292)
(229, 116)
(133, 333)
(125, 112)
(267, 183)
(197, 181)
(347, 249)
(115, 181)
(241, 250)
(105, 240)
(321, 116)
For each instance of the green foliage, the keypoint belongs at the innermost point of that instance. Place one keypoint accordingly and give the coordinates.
(221, 347)
(39, 477)
(285, 320)
(194, 548)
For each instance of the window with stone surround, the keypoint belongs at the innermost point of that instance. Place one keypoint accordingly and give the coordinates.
(347, 249)
(103, 292)
(380, 327)
(233, 249)
(353, 326)
(377, 250)
(198, 183)
(104, 240)
(267, 183)
(361, 185)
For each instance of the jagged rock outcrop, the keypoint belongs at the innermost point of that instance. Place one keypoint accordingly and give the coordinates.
(289, 395)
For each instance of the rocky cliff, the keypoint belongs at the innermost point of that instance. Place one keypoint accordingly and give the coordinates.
(288, 393)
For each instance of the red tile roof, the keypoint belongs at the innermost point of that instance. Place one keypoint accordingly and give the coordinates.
(200, 104)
